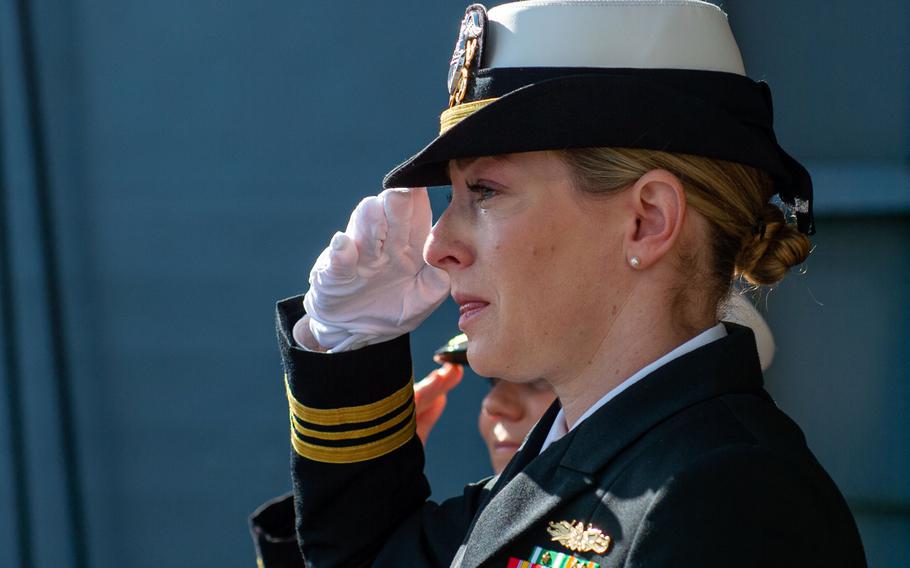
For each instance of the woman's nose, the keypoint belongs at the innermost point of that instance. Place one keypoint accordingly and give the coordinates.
(503, 401)
(445, 248)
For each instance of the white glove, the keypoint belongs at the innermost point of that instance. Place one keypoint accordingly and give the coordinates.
(371, 284)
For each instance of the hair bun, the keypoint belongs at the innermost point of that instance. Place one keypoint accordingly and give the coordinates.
(767, 255)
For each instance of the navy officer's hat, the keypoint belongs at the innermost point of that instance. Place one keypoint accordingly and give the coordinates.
(653, 74)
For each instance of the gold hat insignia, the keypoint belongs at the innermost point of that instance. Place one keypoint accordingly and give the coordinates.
(577, 538)
(467, 51)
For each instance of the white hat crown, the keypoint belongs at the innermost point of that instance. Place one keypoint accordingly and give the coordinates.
(661, 75)
(644, 34)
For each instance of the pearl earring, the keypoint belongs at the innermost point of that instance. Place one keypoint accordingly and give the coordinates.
(634, 262)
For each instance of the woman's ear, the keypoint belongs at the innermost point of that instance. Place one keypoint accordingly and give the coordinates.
(659, 204)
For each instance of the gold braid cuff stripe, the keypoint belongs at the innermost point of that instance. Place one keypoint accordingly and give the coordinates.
(452, 116)
(352, 454)
(349, 414)
(353, 434)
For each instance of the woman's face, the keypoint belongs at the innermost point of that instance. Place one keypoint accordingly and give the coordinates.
(533, 265)
(508, 413)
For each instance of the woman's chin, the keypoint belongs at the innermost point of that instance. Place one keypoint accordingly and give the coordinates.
(501, 368)
(488, 358)
(475, 354)
(485, 364)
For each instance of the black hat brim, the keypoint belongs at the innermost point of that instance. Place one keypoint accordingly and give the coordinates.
(716, 115)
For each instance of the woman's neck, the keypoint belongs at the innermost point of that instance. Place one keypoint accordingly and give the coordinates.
(634, 339)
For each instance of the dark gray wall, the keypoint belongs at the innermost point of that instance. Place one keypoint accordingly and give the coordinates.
(201, 155)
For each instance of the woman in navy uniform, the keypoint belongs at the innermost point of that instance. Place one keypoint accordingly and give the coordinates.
(612, 169)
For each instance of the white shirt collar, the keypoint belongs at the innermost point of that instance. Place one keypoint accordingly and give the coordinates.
(560, 428)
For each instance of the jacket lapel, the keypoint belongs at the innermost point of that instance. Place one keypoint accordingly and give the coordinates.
(520, 502)
(532, 485)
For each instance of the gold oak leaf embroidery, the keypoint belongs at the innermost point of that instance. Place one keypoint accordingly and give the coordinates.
(577, 538)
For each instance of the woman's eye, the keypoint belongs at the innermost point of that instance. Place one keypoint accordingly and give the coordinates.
(482, 193)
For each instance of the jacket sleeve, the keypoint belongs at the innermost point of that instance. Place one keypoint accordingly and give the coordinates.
(360, 496)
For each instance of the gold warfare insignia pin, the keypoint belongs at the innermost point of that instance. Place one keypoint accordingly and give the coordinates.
(577, 538)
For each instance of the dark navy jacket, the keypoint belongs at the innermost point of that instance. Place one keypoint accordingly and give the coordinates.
(693, 465)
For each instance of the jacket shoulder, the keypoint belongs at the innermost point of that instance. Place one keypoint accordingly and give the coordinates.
(732, 482)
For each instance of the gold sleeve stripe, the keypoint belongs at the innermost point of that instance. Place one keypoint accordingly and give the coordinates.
(354, 434)
(353, 454)
(452, 116)
(349, 414)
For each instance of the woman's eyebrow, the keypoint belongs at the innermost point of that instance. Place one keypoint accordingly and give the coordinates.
(462, 164)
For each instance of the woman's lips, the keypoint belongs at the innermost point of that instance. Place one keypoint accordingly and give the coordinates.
(469, 309)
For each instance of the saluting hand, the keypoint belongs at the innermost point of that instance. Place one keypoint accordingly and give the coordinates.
(371, 284)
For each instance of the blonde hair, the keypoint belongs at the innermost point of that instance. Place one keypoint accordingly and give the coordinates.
(751, 237)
